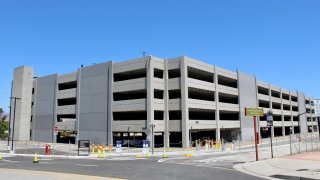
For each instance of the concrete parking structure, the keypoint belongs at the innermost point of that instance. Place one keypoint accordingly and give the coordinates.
(184, 98)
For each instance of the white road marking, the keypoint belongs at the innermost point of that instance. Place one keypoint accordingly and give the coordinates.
(162, 160)
(9, 160)
(87, 165)
(122, 158)
(45, 163)
(215, 167)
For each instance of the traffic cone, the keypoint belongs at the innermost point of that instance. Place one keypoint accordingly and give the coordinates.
(35, 159)
(164, 154)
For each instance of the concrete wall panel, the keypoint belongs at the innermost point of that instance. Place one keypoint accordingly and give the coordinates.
(247, 98)
(45, 105)
(93, 98)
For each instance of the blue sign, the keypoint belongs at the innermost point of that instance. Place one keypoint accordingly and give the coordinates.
(118, 146)
(145, 146)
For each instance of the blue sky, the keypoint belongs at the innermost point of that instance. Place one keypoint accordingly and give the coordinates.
(278, 41)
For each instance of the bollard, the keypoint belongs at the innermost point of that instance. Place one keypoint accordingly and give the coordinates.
(92, 149)
(99, 151)
(188, 155)
(212, 144)
(104, 152)
(110, 148)
(206, 145)
(47, 149)
(223, 146)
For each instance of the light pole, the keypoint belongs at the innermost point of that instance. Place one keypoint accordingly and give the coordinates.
(14, 119)
(270, 124)
(9, 130)
(152, 134)
(128, 137)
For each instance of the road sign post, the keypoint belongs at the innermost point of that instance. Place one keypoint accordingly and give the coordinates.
(254, 112)
(270, 124)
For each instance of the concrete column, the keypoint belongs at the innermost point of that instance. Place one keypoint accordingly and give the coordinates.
(54, 137)
(317, 119)
(34, 108)
(184, 103)
(166, 109)
(216, 99)
(22, 90)
(150, 97)
(270, 97)
(78, 104)
(110, 102)
(291, 113)
(302, 109)
(282, 115)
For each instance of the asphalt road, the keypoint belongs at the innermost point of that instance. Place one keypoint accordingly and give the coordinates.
(203, 167)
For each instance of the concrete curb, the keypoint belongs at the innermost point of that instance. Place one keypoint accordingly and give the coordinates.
(241, 168)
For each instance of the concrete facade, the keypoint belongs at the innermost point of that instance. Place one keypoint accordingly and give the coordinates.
(20, 102)
(185, 99)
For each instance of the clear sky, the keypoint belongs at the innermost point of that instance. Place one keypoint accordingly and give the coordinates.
(276, 40)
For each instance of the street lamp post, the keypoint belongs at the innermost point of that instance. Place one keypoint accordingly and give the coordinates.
(152, 134)
(14, 119)
(128, 137)
(9, 130)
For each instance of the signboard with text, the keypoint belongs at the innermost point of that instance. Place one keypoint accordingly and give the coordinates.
(253, 112)
(118, 146)
(83, 147)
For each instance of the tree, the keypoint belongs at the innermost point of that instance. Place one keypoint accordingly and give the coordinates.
(4, 126)
(3, 115)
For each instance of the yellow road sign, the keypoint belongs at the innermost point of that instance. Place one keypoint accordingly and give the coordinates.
(253, 112)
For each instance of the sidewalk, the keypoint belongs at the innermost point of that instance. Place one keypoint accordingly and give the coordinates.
(305, 165)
